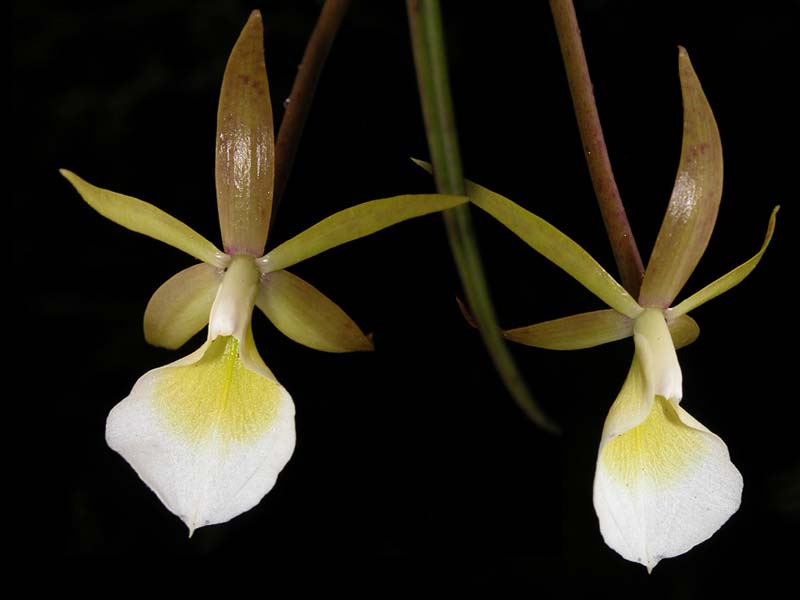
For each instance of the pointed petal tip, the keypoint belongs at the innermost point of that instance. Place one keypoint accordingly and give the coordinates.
(254, 20)
(70, 176)
(424, 164)
(369, 345)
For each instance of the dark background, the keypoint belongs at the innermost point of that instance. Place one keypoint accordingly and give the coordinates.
(412, 462)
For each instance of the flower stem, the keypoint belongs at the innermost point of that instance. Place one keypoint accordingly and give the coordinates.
(626, 253)
(302, 94)
(425, 24)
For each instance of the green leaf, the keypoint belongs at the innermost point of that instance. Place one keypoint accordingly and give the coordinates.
(430, 62)
(354, 223)
(694, 204)
(245, 146)
(306, 315)
(145, 218)
(584, 330)
(727, 281)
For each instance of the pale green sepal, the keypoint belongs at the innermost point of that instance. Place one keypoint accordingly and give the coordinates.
(684, 330)
(245, 145)
(584, 330)
(180, 308)
(145, 218)
(726, 282)
(307, 316)
(555, 247)
(354, 223)
(694, 204)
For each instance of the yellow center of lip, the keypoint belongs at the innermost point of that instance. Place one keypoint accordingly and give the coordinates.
(219, 394)
(658, 451)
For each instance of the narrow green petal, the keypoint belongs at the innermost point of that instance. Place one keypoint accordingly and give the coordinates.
(584, 330)
(145, 218)
(694, 204)
(245, 145)
(307, 316)
(726, 282)
(181, 306)
(354, 223)
(555, 247)
(684, 330)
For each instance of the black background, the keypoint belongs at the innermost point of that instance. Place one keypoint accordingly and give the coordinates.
(412, 462)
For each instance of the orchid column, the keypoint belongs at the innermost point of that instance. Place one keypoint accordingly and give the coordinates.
(210, 432)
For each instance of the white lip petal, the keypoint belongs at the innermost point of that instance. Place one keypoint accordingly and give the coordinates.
(665, 486)
(663, 482)
(208, 433)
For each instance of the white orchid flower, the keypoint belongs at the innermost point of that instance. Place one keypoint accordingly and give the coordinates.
(663, 481)
(210, 432)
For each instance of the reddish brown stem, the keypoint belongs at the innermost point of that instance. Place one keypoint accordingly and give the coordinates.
(626, 253)
(302, 94)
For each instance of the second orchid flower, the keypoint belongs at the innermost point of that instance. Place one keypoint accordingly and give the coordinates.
(663, 481)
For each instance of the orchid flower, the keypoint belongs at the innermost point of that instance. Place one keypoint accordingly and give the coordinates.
(663, 481)
(210, 432)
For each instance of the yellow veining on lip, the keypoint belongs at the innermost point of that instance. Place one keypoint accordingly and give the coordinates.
(217, 394)
(658, 451)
